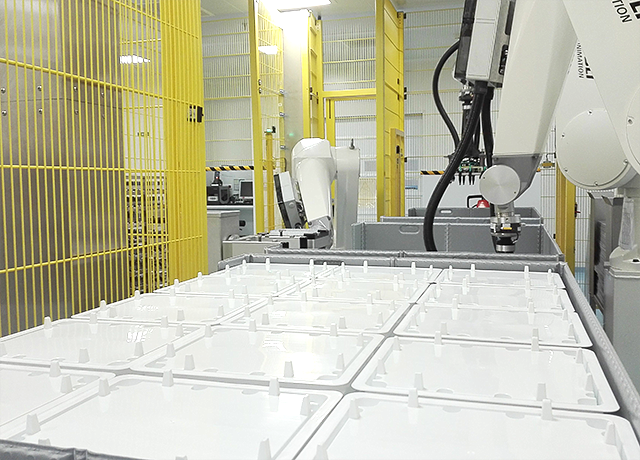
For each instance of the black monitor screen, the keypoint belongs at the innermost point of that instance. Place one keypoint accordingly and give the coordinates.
(246, 189)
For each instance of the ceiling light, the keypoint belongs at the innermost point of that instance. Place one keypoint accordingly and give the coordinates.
(271, 50)
(291, 5)
(133, 59)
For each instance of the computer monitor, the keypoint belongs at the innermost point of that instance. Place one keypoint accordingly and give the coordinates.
(246, 189)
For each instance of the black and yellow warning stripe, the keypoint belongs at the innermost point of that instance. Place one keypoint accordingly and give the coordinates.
(432, 173)
(229, 168)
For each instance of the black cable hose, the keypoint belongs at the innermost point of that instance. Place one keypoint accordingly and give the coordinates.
(436, 92)
(449, 174)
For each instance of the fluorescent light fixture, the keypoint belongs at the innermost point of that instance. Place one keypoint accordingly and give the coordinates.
(133, 59)
(291, 5)
(271, 50)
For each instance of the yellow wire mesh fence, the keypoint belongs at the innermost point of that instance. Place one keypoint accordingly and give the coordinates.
(102, 164)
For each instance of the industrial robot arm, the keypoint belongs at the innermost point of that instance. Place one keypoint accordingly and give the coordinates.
(543, 35)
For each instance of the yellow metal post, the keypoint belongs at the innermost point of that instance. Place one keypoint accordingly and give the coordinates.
(566, 218)
(270, 186)
(312, 81)
(389, 102)
(256, 119)
(331, 121)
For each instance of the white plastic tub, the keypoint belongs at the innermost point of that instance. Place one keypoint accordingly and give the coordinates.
(538, 280)
(176, 308)
(166, 418)
(91, 345)
(372, 426)
(483, 324)
(319, 314)
(506, 374)
(495, 297)
(242, 355)
(24, 389)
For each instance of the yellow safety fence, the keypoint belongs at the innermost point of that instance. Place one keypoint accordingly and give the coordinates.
(102, 166)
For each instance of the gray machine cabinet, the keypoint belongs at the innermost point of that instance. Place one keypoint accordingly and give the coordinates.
(221, 225)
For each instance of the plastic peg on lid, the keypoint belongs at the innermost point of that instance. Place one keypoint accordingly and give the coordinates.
(274, 387)
(171, 350)
(47, 322)
(396, 344)
(380, 368)
(370, 299)
(33, 424)
(579, 356)
(535, 344)
(244, 267)
(572, 332)
(288, 369)
(226, 268)
(438, 338)
(312, 266)
(179, 330)
(531, 306)
(396, 279)
(180, 315)
(267, 264)
(65, 384)
(83, 356)
(342, 322)
(208, 331)
(380, 320)
(590, 383)
(473, 270)
(418, 381)
(220, 311)
(555, 290)
(138, 350)
(455, 301)
(365, 267)
(413, 268)
(430, 270)
(305, 407)
(136, 295)
(340, 362)
(164, 321)
(54, 369)
(549, 277)
(103, 305)
(541, 391)
(113, 311)
(333, 330)
(354, 411)
(565, 315)
(610, 434)
(303, 296)
(93, 318)
(176, 283)
(360, 340)
(413, 398)
(547, 411)
(378, 294)
(247, 312)
(527, 286)
(252, 325)
(450, 272)
(232, 294)
(265, 319)
(413, 322)
(189, 363)
(103, 388)
(167, 378)
(526, 272)
(535, 333)
(321, 453)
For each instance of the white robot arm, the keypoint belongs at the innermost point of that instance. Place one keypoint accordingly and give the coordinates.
(543, 35)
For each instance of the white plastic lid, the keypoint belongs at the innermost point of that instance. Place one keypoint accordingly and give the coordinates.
(23, 389)
(166, 418)
(79, 344)
(241, 355)
(497, 373)
(320, 314)
(482, 324)
(366, 426)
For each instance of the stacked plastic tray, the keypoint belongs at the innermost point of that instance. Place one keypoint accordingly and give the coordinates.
(275, 361)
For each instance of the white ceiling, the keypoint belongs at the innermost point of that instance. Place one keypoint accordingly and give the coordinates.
(337, 7)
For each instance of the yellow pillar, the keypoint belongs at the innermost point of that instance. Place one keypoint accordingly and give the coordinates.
(256, 119)
(389, 105)
(566, 218)
(270, 186)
